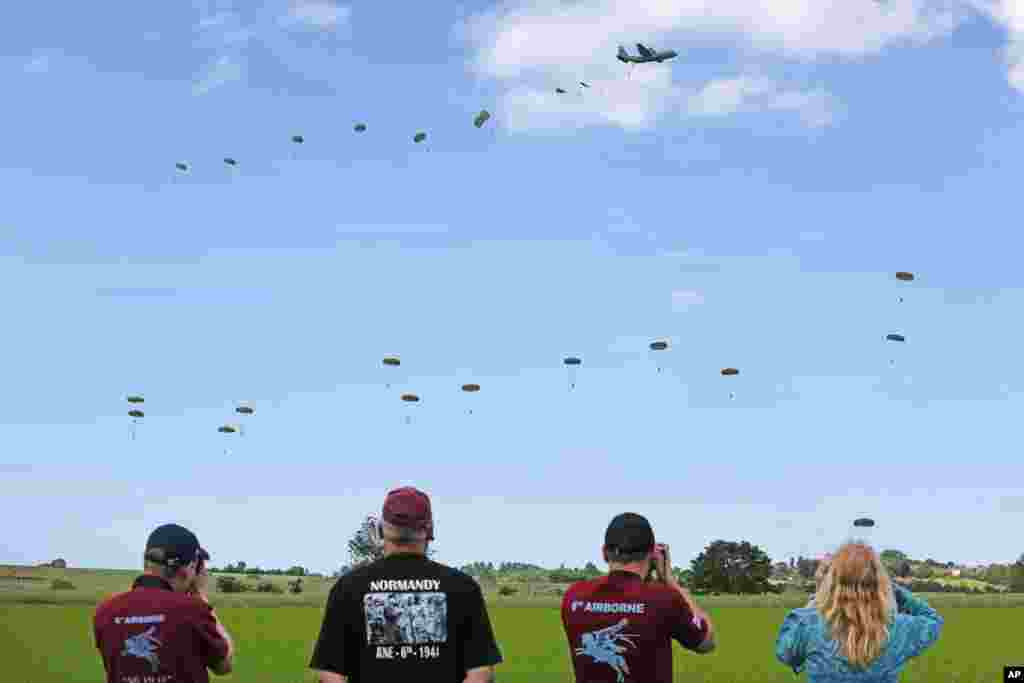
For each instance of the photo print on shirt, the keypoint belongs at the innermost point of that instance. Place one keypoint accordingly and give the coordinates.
(406, 618)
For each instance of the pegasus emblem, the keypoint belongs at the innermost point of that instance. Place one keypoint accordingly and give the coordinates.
(143, 646)
(604, 646)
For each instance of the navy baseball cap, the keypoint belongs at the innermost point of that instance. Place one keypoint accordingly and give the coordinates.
(629, 533)
(179, 545)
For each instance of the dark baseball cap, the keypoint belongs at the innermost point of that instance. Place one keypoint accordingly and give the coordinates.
(629, 533)
(180, 546)
(409, 508)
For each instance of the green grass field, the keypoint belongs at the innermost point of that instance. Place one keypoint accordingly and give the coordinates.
(47, 634)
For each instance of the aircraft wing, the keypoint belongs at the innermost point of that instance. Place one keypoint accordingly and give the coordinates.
(644, 51)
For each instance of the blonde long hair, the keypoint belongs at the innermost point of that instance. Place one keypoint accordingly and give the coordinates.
(855, 599)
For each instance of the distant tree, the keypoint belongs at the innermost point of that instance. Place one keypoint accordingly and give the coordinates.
(806, 567)
(903, 569)
(1017, 576)
(591, 570)
(363, 550)
(731, 567)
(297, 571)
(780, 570)
(240, 567)
(923, 571)
(59, 563)
(295, 586)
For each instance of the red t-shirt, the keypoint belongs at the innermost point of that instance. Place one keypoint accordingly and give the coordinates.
(152, 634)
(620, 629)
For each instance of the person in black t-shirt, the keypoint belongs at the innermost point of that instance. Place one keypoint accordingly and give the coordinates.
(404, 617)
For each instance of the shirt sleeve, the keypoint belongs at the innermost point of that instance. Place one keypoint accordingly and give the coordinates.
(925, 623)
(791, 646)
(480, 648)
(212, 646)
(331, 652)
(686, 628)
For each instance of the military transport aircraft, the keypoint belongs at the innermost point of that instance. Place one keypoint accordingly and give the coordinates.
(646, 55)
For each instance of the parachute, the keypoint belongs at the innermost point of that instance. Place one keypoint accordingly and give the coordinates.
(905, 276)
(470, 389)
(572, 363)
(227, 429)
(895, 337)
(183, 167)
(410, 399)
(560, 91)
(244, 410)
(659, 345)
(298, 139)
(419, 137)
(863, 530)
(730, 372)
(359, 128)
(390, 362)
(585, 85)
(136, 414)
(230, 162)
(481, 118)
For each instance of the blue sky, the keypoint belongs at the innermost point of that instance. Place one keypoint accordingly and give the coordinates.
(749, 201)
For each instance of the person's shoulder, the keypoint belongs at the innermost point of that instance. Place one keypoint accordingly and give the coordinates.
(584, 586)
(109, 603)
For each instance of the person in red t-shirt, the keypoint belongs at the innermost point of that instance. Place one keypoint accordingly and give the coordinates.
(163, 630)
(621, 626)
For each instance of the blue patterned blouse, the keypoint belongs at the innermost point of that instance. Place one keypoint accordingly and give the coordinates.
(804, 643)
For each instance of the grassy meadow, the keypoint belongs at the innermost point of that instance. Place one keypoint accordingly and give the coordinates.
(47, 636)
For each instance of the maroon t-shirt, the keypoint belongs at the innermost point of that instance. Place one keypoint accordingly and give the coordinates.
(152, 634)
(620, 629)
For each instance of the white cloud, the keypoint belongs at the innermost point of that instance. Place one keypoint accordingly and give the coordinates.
(537, 45)
(225, 70)
(816, 108)
(1010, 14)
(321, 14)
(682, 299)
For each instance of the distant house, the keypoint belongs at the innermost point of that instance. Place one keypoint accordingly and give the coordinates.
(954, 572)
(59, 563)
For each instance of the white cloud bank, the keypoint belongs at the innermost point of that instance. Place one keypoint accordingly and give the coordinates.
(534, 46)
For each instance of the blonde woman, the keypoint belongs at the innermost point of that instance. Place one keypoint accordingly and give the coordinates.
(860, 627)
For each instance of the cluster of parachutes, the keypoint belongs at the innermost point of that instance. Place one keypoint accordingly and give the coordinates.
(902, 276)
(478, 121)
(243, 409)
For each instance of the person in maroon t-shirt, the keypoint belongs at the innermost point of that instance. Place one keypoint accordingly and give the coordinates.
(163, 630)
(621, 626)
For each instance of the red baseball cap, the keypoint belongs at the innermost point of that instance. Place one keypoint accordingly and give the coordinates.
(408, 507)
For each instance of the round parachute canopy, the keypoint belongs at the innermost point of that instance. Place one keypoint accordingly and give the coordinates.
(728, 372)
(181, 167)
(230, 162)
(410, 398)
(136, 413)
(419, 137)
(481, 118)
(136, 399)
(471, 387)
(298, 139)
(227, 429)
(392, 361)
(905, 276)
(659, 345)
(359, 127)
(572, 361)
(560, 91)
(895, 337)
(864, 522)
(244, 410)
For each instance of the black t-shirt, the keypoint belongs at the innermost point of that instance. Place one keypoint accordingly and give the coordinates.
(405, 618)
